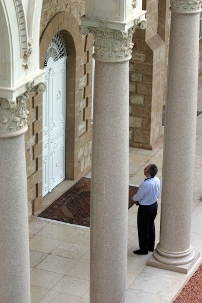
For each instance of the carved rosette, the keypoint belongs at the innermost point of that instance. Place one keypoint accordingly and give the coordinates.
(13, 113)
(186, 6)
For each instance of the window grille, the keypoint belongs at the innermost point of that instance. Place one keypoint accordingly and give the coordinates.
(56, 49)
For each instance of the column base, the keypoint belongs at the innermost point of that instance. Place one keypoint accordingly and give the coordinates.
(184, 268)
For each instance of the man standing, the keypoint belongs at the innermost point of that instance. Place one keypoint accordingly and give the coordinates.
(146, 197)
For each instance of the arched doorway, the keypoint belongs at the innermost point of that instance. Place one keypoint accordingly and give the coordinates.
(54, 113)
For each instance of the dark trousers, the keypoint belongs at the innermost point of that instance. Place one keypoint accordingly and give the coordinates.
(146, 227)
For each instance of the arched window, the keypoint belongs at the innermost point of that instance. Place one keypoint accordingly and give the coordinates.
(56, 49)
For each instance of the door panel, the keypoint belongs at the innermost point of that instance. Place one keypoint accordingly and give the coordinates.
(54, 109)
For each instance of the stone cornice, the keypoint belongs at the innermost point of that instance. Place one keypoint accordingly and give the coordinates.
(111, 45)
(13, 92)
(186, 6)
(13, 113)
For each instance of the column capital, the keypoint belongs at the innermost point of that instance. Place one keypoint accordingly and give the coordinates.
(186, 6)
(13, 113)
(113, 45)
(37, 89)
(113, 24)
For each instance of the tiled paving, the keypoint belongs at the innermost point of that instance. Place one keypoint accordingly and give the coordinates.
(60, 256)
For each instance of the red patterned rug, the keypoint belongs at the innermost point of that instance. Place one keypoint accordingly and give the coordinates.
(74, 205)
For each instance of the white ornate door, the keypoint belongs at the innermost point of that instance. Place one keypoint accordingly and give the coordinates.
(54, 110)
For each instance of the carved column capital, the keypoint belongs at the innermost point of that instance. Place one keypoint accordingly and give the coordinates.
(113, 45)
(13, 113)
(186, 6)
(13, 116)
(37, 89)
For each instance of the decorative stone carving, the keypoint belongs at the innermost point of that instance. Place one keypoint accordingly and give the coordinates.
(134, 4)
(30, 85)
(186, 6)
(25, 43)
(84, 30)
(141, 24)
(39, 88)
(21, 25)
(113, 45)
(13, 113)
(27, 54)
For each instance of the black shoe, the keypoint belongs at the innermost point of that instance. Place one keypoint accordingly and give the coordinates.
(140, 252)
(151, 249)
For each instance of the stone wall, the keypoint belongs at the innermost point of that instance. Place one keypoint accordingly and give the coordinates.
(148, 77)
(33, 147)
(75, 8)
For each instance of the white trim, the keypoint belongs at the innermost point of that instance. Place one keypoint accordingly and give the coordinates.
(200, 26)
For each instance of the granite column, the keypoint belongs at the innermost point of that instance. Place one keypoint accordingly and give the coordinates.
(109, 192)
(14, 235)
(174, 251)
(110, 164)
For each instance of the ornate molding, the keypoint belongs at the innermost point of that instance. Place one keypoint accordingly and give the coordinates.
(25, 43)
(113, 45)
(37, 89)
(13, 116)
(40, 88)
(13, 113)
(134, 4)
(141, 24)
(21, 25)
(186, 6)
(27, 54)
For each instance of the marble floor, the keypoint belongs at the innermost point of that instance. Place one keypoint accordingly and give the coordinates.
(59, 252)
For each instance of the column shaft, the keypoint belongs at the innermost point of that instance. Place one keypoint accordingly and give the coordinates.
(14, 236)
(109, 192)
(179, 144)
